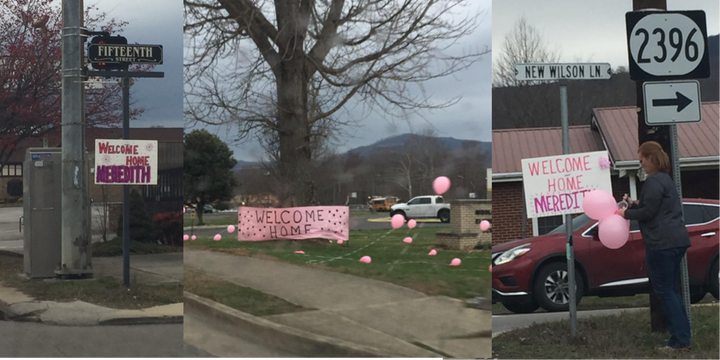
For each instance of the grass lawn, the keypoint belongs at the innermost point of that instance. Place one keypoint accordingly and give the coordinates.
(392, 260)
(235, 296)
(114, 248)
(612, 337)
(597, 303)
(107, 291)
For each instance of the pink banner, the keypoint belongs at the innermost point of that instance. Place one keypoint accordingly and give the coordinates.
(300, 223)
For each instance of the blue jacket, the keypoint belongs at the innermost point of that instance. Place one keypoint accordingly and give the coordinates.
(659, 214)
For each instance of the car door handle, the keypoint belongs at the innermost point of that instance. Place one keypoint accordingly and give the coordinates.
(708, 234)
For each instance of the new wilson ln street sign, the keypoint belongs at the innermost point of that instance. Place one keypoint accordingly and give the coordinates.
(129, 54)
(543, 72)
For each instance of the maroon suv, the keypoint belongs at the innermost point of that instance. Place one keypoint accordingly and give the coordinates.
(532, 273)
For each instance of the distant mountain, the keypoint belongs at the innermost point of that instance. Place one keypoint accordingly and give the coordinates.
(392, 143)
(399, 141)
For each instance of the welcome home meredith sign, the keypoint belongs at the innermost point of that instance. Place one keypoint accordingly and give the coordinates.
(126, 162)
(299, 223)
(556, 185)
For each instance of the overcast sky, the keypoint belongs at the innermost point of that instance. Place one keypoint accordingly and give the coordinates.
(156, 22)
(470, 119)
(588, 30)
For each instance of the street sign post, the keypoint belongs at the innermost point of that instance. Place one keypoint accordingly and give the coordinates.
(563, 72)
(667, 45)
(672, 102)
(545, 72)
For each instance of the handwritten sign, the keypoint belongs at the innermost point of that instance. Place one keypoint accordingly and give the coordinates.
(556, 185)
(300, 223)
(126, 162)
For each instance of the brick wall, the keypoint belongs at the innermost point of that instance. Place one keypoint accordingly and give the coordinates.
(465, 218)
(507, 208)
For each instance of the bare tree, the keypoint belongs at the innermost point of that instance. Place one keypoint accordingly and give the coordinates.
(523, 44)
(404, 176)
(284, 67)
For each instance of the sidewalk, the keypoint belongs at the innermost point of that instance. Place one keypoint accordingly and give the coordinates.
(144, 269)
(358, 310)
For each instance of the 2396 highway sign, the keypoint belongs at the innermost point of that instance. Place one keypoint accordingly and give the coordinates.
(667, 45)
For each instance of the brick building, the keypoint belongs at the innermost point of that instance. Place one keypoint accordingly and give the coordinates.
(611, 129)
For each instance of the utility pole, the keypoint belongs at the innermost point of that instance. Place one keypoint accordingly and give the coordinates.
(661, 134)
(75, 259)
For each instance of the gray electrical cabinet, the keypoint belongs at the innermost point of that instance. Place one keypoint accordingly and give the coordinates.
(41, 211)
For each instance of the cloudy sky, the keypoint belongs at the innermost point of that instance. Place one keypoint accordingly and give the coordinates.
(156, 22)
(588, 30)
(470, 119)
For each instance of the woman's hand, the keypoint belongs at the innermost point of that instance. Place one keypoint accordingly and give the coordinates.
(621, 212)
(629, 200)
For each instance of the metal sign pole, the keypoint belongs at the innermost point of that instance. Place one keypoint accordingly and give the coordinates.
(126, 189)
(684, 276)
(568, 218)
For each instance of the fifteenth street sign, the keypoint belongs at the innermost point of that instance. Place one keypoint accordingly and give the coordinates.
(120, 53)
(126, 162)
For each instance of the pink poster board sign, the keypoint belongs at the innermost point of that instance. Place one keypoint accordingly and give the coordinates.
(299, 223)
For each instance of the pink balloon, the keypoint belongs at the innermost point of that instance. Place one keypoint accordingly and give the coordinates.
(408, 240)
(186, 237)
(231, 229)
(441, 185)
(412, 223)
(194, 237)
(614, 231)
(300, 252)
(490, 268)
(340, 242)
(397, 221)
(432, 252)
(599, 204)
(217, 237)
(455, 262)
(484, 225)
(365, 259)
(183, 209)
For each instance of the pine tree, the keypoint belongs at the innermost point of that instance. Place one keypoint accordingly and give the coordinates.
(142, 228)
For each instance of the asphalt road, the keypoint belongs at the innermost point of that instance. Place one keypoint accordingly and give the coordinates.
(205, 336)
(10, 236)
(38, 340)
(502, 323)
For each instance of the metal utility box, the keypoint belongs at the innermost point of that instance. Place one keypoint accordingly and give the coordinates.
(41, 211)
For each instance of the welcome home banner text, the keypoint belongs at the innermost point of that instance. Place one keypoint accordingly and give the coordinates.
(298, 223)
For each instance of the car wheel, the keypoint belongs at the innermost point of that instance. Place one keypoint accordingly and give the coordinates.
(525, 307)
(444, 216)
(550, 289)
(714, 280)
(399, 213)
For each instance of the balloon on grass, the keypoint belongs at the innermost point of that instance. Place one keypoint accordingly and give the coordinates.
(340, 242)
(407, 240)
(441, 185)
(217, 237)
(186, 237)
(231, 229)
(365, 259)
(412, 223)
(397, 221)
(490, 268)
(194, 237)
(432, 252)
(300, 252)
(455, 262)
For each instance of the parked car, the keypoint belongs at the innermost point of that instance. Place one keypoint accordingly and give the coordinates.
(423, 207)
(532, 273)
(208, 209)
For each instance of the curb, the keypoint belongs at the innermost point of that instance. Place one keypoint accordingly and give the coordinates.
(206, 227)
(143, 321)
(279, 336)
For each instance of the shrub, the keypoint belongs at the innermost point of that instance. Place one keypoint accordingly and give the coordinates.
(142, 228)
(171, 226)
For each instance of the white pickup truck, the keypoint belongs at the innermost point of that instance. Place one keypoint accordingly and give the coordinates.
(423, 207)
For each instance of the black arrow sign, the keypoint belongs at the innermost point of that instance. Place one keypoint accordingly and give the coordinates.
(680, 100)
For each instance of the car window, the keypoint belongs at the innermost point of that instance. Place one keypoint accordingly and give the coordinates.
(693, 214)
(577, 222)
(712, 212)
(414, 201)
(425, 201)
(439, 200)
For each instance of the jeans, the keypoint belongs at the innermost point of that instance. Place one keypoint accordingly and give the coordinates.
(664, 270)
